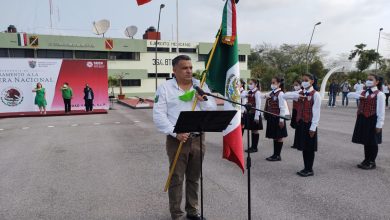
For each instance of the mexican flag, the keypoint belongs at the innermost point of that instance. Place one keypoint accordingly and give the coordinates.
(141, 2)
(22, 39)
(223, 76)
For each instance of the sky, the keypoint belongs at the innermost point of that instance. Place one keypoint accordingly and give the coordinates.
(345, 23)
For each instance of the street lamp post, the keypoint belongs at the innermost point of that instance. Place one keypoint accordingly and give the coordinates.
(377, 50)
(308, 48)
(158, 29)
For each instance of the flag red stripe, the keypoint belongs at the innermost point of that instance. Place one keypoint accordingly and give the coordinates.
(232, 147)
(234, 17)
(141, 2)
(25, 39)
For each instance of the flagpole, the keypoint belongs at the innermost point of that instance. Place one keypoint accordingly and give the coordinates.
(51, 12)
(172, 169)
(177, 27)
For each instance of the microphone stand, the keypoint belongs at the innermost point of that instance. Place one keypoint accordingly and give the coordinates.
(248, 159)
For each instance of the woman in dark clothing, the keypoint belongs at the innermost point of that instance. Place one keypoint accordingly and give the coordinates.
(88, 98)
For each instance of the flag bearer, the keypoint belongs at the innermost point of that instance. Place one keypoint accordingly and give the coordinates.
(370, 120)
(255, 122)
(307, 117)
(276, 127)
(172, 97)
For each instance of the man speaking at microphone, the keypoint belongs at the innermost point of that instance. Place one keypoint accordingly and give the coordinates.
(172, 97)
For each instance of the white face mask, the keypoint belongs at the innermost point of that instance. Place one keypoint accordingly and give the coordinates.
(273, 87)
(297, 88)
(306, 85)
(369, 83)
(251, 86)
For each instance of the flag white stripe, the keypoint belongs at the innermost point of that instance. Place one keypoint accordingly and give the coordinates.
(21, 39)
(229, 17)
(236, 121)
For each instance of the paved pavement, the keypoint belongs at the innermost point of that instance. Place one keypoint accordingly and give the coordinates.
(114, 167)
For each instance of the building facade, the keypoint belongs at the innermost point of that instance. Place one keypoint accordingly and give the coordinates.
(134, 59)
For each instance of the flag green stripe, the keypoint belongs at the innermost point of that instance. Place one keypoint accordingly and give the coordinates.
(19, 39)
(224, 20)
(225, 56)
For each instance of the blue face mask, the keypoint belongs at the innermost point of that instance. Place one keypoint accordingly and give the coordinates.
(369, 83)
(306, 85)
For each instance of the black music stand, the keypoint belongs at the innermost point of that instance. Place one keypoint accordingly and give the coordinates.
(203, 121)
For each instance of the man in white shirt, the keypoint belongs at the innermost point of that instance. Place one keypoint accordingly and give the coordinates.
(358, 87)
(172, 97)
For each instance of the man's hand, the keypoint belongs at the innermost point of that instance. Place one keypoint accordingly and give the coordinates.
(200, 98)
(257, 121)
(182, 137)
(281, 124)
(378, 130)
(312, 133)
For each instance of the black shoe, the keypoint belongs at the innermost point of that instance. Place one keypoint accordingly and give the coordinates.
(362, 164)
(195, 217)
(274, 158)
(305, 173)
(251, 150)
(368, 166)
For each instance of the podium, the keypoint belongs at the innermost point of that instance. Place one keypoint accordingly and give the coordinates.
(199, 122)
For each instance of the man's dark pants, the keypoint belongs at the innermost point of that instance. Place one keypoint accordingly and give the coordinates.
(68, 105)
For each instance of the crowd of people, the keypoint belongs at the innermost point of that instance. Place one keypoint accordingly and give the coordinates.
(67, 95)
(334, 90)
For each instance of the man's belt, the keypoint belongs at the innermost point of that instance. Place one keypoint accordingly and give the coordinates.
(195, 134)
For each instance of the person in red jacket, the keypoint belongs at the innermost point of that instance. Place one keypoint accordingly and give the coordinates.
(307, 118)
(276, 127)
(297, 89)
(370, 120)
(255, 123)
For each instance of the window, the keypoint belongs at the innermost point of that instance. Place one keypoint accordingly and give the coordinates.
(241, 58)
(159, 49)
(91, 55)
(185, 50)
(159, 75)
(23, 53)
(131, 82)
(124, 56)
(202, 57)
(55, 54)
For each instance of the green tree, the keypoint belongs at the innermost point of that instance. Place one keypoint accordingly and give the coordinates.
(366, 57)
(287, 60)
(197, 74)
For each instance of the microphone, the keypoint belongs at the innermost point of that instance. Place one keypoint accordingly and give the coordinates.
(201, 92)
